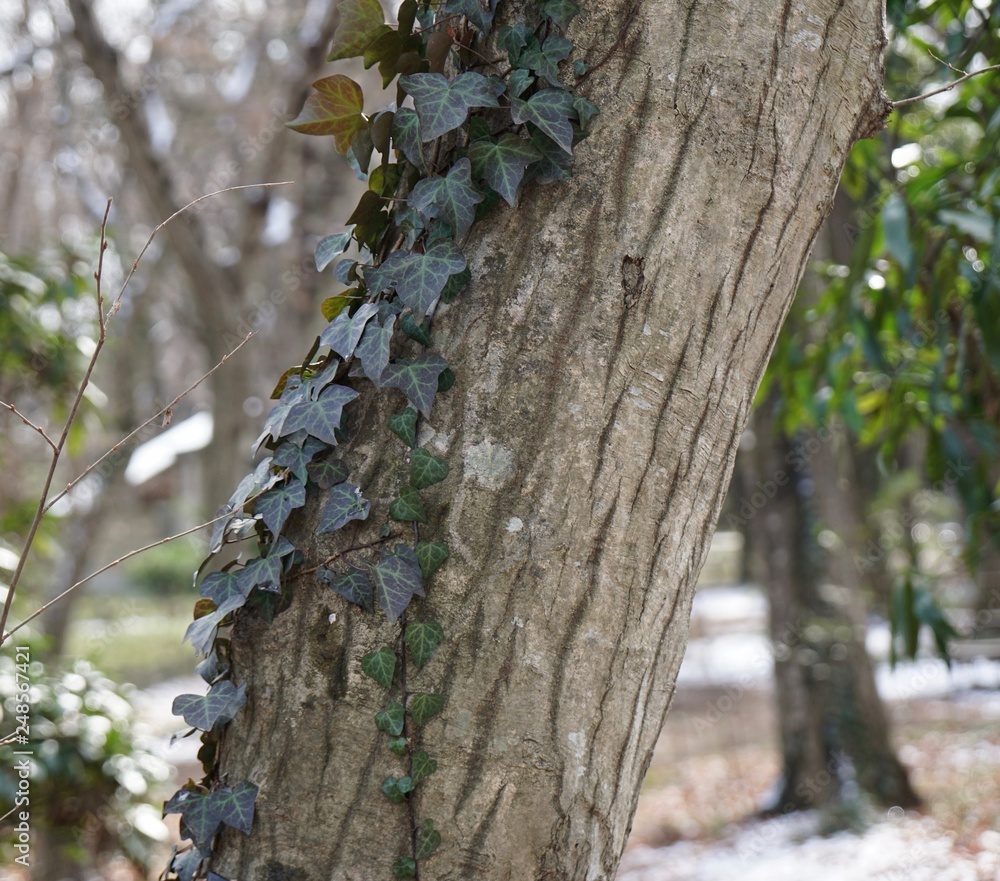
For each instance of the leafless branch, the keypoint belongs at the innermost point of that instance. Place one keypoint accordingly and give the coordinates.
(29, 423)
(966, 76)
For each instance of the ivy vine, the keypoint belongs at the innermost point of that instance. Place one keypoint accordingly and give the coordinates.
(469, 141)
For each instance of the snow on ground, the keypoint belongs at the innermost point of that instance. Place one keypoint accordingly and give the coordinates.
(906, 848)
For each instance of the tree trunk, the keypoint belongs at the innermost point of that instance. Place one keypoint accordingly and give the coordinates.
(607, 352)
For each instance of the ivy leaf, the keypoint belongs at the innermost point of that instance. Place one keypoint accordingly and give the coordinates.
(296, 459)
(425, 469)
(390, 720)
(501, 163)
(405, 867)
(201, 632)
(334, 109)
(452, 197)
(204, 813)
(397, 579)
(342, 334)
(204, 711)
(423, 766)
(550, 110)
(561, 12)
(585, 110)
(327, 473)
(544, 58)
(359, 155)
(356, 587)
(277, 504)
(519, 80)
(408, 506)
(513, 40)
(395, 789)
(425, 706)
(404, 426)
(422, 638)
(220, 586)
(344, 504)
(398, 745)
(330, 247)
(442, 106)
(554, 165)
(456, 284)
(406, 136)
(416, 378)
(262, 572)
(321, 418)
(417, 332)
(431, 556)
(473, 10)
(373, 350)
(361, 24)
(428, 840)
(380, 666)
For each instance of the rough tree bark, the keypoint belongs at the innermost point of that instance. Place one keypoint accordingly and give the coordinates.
(607, 351)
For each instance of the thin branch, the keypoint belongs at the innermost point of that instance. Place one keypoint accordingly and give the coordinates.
(149, 421)
(344, 553)
(947, 88)
(113, 563)
(29, 423)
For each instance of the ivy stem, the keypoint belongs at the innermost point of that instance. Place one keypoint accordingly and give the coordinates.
(411, 808)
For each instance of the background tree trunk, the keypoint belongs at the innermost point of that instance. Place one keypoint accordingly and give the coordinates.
(607, 351)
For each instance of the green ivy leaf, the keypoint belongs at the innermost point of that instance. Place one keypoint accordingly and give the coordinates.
(406, 136)
(373, 350)
(422, 638)
(355, 586)
(452, 197)
(456, 284)
(585, 110)
(344, 504)
(561, 12)
(475, 12)
(501, 163)
(205, 711)
(416, 378)
(446, 380)
(554, 165)
(544, 58)
(398, 745)
(395, 789)
(428, 840)
(380, 666)
(220, 586)
(431, 555)
(423, 767)
(580, 67)
(425, 469)
(512, 40)
(404, 426)
(550, 110)
(330, 247)
(442, 106)
(275, 506)
(359, 155)
(390, 720)
(334, 109)
(397, 580)
(201, 632)
(405, 867)
(204, 813)
(425, 706)
(320, 418)
(519, 80)
(327, 473)
(343, 333)
(417, 332)
(361, 23)
(408, 506)
(262, 572)
(296, 459)
(420, 278)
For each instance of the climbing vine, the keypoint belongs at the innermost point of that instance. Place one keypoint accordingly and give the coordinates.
(470, 139)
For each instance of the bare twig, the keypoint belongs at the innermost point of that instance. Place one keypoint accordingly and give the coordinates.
(966, 76)
(29, 423)
(113, 563)
(149, 421)
(344, 553)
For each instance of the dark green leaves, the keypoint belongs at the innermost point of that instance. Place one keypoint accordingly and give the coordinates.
(417, 379)
(204, 711)
(420, 278)
(408, 506)
(405, 867)
(423, 766)
(397, 579)
(380, 666)
(418, 332)
(550, 110)
(425, 469)
(204, 812)
(320, 418)
(390, 720)
(560, 11)
(342, 334)
(406, 136)
(275, 506)
(355, 586)
(501, 163)
(404, 426)
(473, 10)
(344, 504)
(397, 745)
(428, 840)
(452, 198)
(422, 638)
(220, 586)
(585, 110)
(361, 24)
(395, 789)
(442, 105)
(431, 555)
(373, 350)
(425, 706)
(334, 109)
(543, 58)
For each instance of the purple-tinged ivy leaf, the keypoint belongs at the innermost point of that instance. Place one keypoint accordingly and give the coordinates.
(452, 197)
(321, 418)
(327, 473)
(442, 105)
(550, 110)
(420, 279)
(373, 350)
(355, 586)
(417, 379)
(501, 163)
(342, 334)
(201, 632)
(220, 586)
(406, 136)
(276, 505)
(345, 503)
(475, 12)
(397, 580)
(330, 247)
(261, 572)
(205, 711)
(296, 459)
(204, 813)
